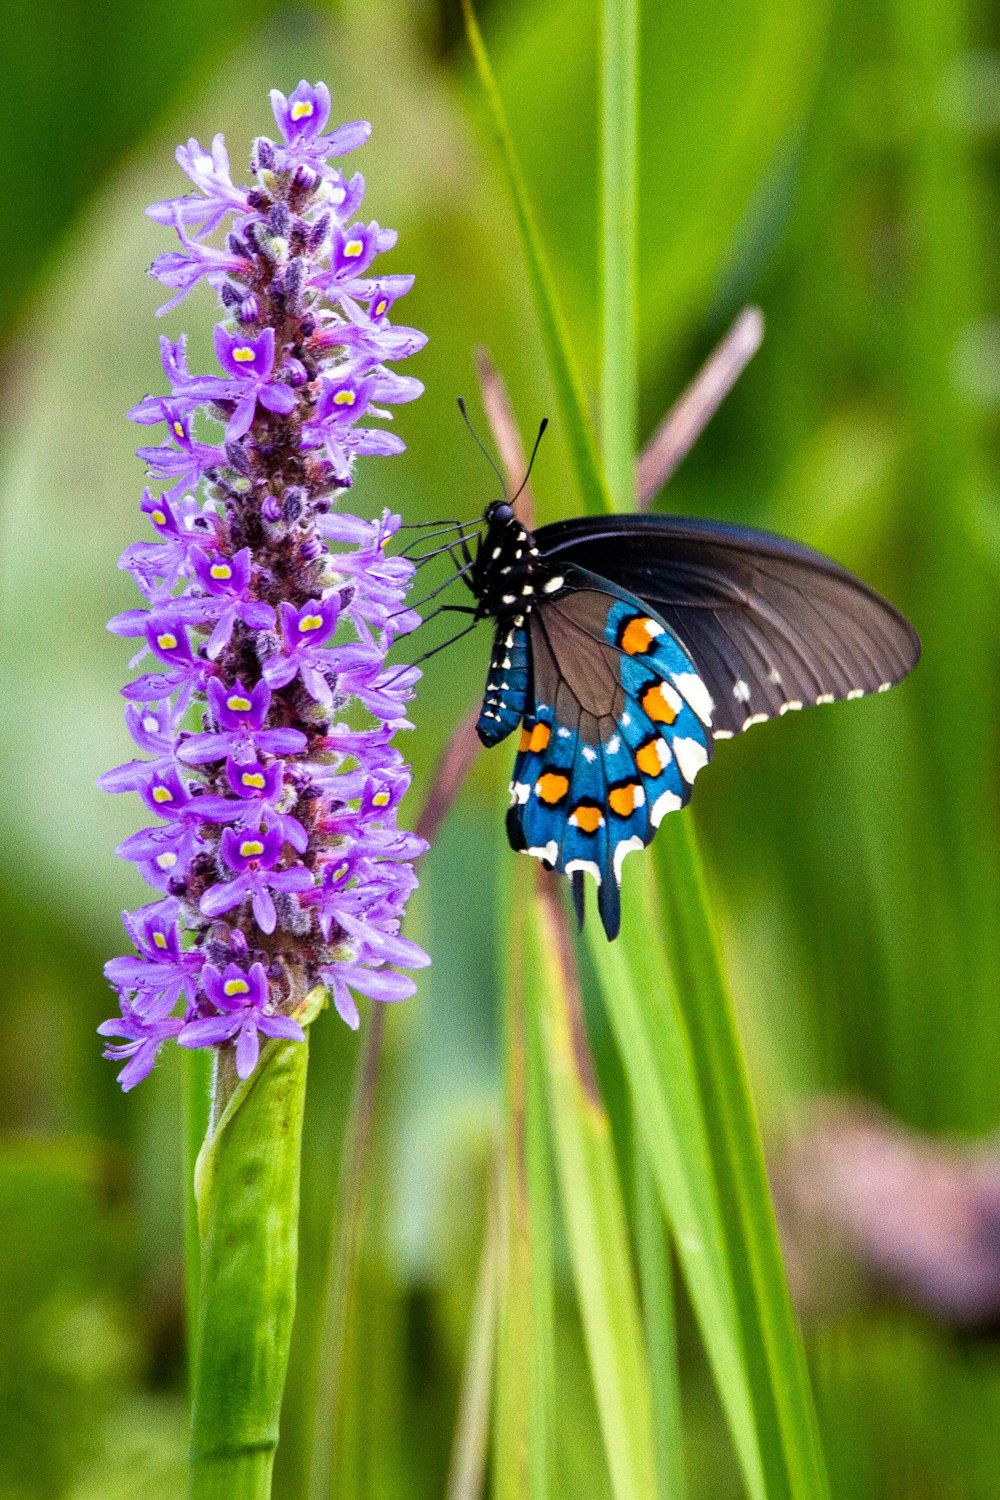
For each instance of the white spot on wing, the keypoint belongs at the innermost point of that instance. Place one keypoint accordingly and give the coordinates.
(564, 733)
(519, 792)
(553, 586)
(614, 743)
(625, 847)
(722, 734)
(884, 687)
(691, 756)
(588, 752)
(741, 691)
(584, 864)
(755, 719)
(548, 852)
(792, 706)
(826, 698)
(855, 693)
(666, 802)
(696, 694)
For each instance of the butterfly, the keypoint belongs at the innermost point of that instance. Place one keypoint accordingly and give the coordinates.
(626, 646)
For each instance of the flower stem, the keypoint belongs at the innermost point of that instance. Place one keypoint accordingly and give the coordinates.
(247, 1190)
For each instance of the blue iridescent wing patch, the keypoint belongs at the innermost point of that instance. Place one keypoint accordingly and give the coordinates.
(617, 725)
(506, 686)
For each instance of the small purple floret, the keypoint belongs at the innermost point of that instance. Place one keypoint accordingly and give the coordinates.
(265, 611)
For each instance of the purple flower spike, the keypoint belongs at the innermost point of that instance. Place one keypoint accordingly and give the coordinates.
(266, 614)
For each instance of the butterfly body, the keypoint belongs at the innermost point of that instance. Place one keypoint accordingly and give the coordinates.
(625, 646)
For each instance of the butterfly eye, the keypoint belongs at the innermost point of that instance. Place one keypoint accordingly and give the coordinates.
(501, 512)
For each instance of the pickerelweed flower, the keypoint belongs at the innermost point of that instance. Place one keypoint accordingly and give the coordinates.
(277, 858)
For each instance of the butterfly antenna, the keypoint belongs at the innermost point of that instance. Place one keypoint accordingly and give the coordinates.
(531, 462)
(482, 446)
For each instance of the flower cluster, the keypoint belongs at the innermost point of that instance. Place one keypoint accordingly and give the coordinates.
(266, 612)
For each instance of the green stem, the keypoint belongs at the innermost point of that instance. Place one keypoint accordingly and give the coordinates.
(247, 1189)
(619, 217)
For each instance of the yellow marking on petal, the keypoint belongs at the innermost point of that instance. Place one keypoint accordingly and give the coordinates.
(652, 757)
(638, 636)
(250, 848)
(238, 705)
(621, 800)
(310, 622)
(354, 247)
(179, 429)
(302, 109)
(552, 787)
(339, 871)
(540, 736)
(166, 861)
(344, 398)
(253, 779)
(589, 819)
(380, 307)
(381, 799)
(159, 940)
(159, 516)
(243, 354)
(162, 794)
(221, 570)
(657, 706)
(166, 641)
(236, 987)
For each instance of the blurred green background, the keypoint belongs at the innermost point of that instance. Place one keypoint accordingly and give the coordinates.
(834, 162)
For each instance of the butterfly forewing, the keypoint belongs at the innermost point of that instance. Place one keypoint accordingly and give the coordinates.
(770, 625)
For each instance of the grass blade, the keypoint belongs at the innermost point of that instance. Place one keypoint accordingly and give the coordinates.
(656, 1281)
(773, 1346)
(656, 1053)
(593, 1210)
(524, 1367)
(619, 206)
(468, 1458)
(565, 377)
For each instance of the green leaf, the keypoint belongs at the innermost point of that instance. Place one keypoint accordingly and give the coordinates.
(593, 1210)
(565, 377)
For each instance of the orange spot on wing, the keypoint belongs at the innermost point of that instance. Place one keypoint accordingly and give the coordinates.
(525, 739)
(587, 818)
(654, 701)
(637, 636)
(652, 757)
(622, 800)
(540, 736)
(552, 787)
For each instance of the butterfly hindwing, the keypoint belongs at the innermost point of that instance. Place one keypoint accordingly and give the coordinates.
(614, 733)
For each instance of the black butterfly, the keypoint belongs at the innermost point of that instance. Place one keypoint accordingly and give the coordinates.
(626, 646)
